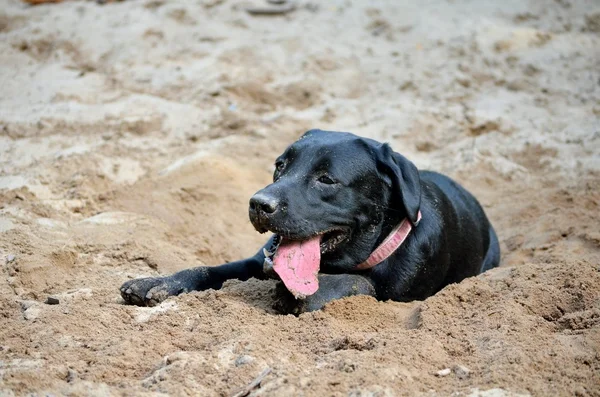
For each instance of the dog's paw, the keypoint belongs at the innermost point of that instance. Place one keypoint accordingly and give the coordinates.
(285, 303)
(150, 291)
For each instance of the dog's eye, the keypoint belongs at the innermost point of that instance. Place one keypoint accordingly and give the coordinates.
(278, 168)
(326, 179)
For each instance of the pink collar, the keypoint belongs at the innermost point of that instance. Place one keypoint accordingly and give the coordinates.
(389, 245)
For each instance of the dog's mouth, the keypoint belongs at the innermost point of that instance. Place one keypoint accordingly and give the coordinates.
(297, 261)
(332, 240)
(329, 240)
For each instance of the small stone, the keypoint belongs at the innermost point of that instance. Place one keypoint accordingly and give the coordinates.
(10, 258)
(26, 304)
(31, 313)
(52, 301)
(461, 371)
(443, 372)
(274, 9)
(71, 375)
(243, 360)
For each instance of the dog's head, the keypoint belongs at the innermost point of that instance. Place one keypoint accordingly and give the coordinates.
(339, 191)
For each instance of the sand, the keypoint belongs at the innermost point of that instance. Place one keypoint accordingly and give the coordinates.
(133, 134)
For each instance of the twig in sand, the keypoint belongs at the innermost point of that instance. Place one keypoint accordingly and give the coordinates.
(254, 384)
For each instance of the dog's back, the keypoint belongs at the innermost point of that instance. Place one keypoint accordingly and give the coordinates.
(473, 217)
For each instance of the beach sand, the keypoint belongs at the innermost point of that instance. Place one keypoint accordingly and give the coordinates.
(133, 134)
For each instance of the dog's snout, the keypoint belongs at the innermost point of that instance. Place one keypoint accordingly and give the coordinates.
(264, 210)
(264, 203)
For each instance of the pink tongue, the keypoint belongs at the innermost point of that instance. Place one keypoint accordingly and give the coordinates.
(297, 263)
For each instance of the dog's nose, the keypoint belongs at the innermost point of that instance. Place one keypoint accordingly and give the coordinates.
(265, 203)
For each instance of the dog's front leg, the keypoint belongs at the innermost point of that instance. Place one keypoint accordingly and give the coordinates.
(150, 291)
(331, 287)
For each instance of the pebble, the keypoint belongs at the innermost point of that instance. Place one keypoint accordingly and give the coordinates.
(242, 360)
(26, 304)
(10, 258)
(31, 313)
(52, 300)
(443, 372)
(71, 375)
(461, 371)
(274, 9)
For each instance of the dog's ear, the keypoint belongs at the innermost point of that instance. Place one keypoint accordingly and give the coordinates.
(404, 179)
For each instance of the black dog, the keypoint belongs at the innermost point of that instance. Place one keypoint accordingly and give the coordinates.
(362, 217)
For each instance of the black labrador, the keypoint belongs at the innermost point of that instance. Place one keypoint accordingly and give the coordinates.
(349, 216)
